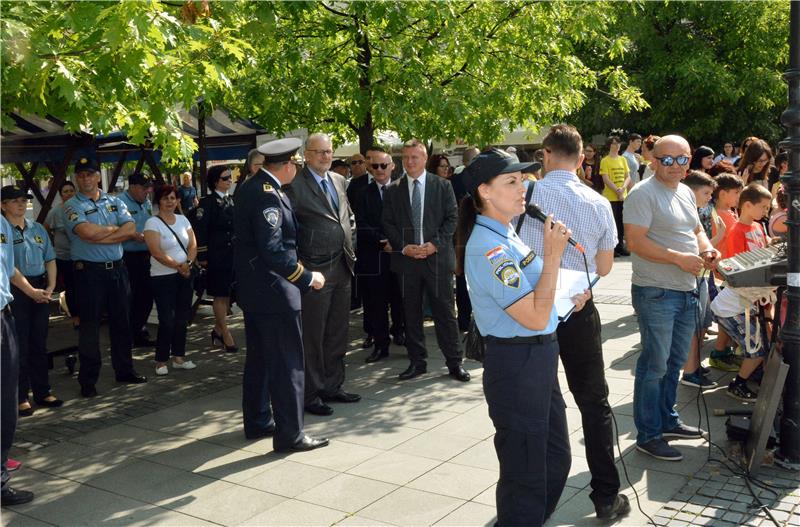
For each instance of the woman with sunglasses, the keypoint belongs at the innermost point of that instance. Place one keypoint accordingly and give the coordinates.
(213, 227)
(512, 292)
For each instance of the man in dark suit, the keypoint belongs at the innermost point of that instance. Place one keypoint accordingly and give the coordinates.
(380, 286)
(419, 219)
(459, 188)
(324, 244)
(356, 186)
(269, 283)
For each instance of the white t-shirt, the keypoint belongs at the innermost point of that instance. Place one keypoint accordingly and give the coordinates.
(168, 242)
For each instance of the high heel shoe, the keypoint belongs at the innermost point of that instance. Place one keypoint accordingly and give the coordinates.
(216, 337)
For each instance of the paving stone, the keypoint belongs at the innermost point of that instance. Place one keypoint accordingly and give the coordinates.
(726, 495)
(733, 517)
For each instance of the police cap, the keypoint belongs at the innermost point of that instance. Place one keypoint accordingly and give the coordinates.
(139, 178)
(281, 150)
(85, 164)
(491, 163)
(14, 192)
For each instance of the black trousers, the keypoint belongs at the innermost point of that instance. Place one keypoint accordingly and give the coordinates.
(616, 209)
(326, 319)
(439, 289)
(138, 264)
(381, 294)
(66, 279)
(9, 371)
(520, 383)
(31, 320)
(173, 296)
(273, 376)
(99, 291)
(463, 304)
(582, 356)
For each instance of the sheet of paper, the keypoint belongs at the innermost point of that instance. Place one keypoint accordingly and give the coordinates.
(570, 283)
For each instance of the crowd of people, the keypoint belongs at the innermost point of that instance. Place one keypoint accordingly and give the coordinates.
(298, 242)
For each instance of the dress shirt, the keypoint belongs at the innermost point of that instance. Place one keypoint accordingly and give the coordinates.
(581, 209)
(332, 192)
(421, 180)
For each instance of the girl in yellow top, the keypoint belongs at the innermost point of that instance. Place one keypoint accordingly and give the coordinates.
(616, 176)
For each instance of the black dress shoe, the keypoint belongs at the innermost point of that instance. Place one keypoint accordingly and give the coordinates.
(343, 397)
(460, 373)
(619, 507)
(376, 355)
(88, 390)
(55, 402)
(414, 370)
(132, 378)
(15, 497)
(319, 409)
(368, 342)
(258, 434)
(305, 443)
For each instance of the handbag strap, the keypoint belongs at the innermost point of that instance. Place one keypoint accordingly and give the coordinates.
(528, 195)
(174, 234)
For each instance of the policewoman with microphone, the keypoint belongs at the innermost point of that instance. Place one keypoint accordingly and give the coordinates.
(512, 290)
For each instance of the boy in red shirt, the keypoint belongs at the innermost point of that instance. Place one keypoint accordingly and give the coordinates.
(728, 307)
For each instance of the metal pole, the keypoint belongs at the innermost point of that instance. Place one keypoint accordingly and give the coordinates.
(789, 453)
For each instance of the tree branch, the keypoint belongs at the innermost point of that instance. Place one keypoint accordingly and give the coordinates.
(336, 12)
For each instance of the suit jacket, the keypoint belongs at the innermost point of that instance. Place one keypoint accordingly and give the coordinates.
(323, 236)
(440, 216)
(372, 259)
(355, 191)
(269, 279)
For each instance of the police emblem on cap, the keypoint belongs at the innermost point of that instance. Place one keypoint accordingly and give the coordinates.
(84, 160)
(272, 215)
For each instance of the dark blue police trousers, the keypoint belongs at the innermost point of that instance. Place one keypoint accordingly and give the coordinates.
(9, 372)
(273, 373)
(532, 442)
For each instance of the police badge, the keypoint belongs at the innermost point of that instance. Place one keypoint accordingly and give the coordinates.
(272, 215)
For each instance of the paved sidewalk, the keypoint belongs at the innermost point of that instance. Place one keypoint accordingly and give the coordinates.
(172, 451)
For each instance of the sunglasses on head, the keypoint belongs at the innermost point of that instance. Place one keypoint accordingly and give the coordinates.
(667, 161)
(382, 166)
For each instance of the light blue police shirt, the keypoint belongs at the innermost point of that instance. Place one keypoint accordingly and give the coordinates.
(107, 210)
(500, 270)
(140, 212)
(6, 262)
(32, 248)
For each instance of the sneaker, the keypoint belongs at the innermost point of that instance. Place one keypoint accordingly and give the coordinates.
(162, 370)
(185, 365)
(741, 392)
(727, 363)
(704, 371)
(660, 449)
(683, 431)
(13, 464)
(619, 507)
(12, 496)
(697, 380)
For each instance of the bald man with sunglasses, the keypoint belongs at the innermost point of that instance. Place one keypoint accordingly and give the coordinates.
(669, 248)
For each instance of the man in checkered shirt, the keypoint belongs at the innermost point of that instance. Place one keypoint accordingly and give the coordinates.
(589, 216)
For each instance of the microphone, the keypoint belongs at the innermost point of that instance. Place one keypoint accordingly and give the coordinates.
(536, 213)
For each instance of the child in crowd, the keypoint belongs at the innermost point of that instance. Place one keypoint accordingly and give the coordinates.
(732, 312)
(703, 187)
(726, 199)
(777, 220)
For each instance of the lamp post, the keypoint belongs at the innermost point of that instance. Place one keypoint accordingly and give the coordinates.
(789, 453)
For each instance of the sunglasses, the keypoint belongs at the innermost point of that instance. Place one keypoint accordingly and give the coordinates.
(356, 162)
(382, 166)
(667, 161)
(225, 178)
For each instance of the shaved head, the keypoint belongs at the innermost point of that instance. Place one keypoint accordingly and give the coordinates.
(671, 146)
(671, 142)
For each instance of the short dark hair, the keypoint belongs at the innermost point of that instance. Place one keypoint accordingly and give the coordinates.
(376, 148)
(754, 193)
(164, 190)
(781, 157)
(697, 178)
(65, 184)
(727, 181)
(612, 139)
(214, 174)
(564, 140)
(633, 137)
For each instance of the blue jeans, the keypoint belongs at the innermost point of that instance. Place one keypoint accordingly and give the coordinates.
(667, 322)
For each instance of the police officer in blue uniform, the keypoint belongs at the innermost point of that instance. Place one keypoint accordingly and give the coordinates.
(9, 359)
(512, 292)
(97, 224)
(137, 257)
(269, 284)
(35, 258)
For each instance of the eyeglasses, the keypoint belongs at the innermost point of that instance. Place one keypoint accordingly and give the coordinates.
(355, 162)
(321, 152)
(382, 166)
(225, 178)
(667, 161)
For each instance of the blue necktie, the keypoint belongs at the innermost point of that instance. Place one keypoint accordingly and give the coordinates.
(327, 192)
(416, 211)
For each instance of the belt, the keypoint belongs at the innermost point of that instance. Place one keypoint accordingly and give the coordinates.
(36, 279)
(534, 339)
(103, 266)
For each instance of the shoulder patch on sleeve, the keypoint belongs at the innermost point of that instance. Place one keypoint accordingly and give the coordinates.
(72, 215)
(527, 260)
(508, 274)
(272, 215)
